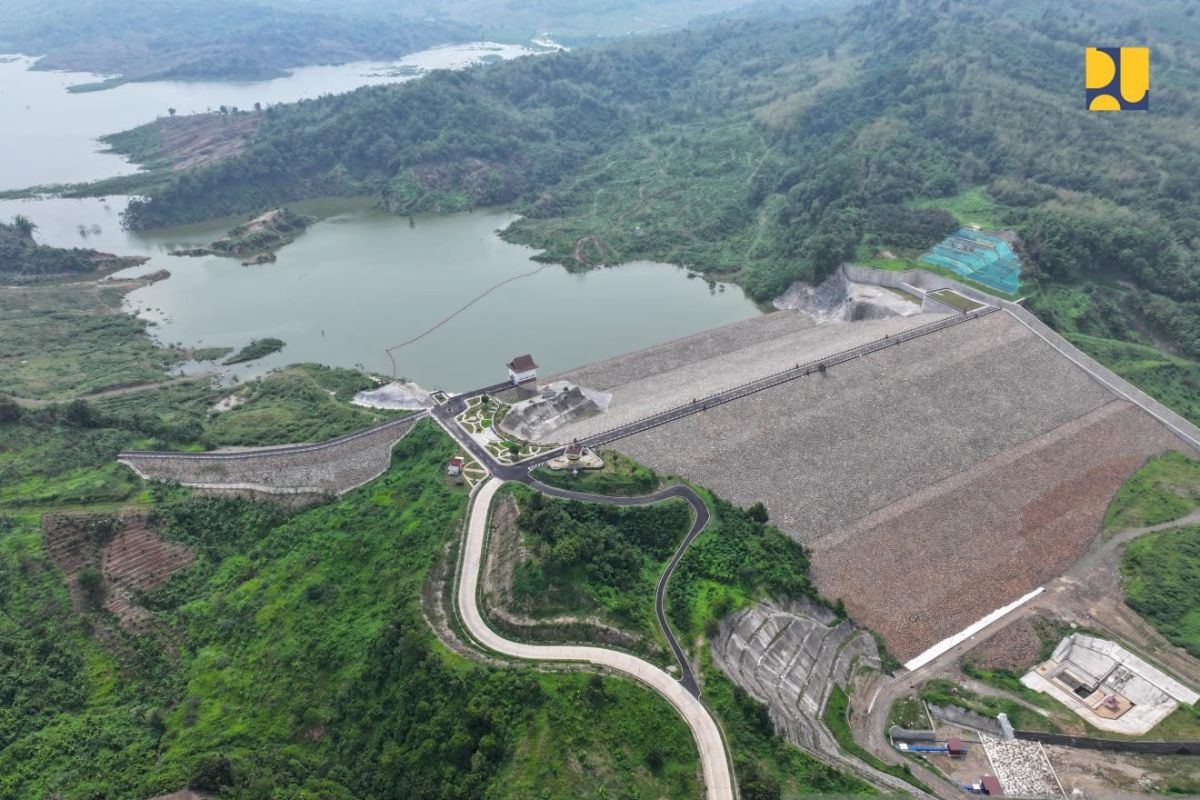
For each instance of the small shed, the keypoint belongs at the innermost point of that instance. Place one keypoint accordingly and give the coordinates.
(455, 466)
(522, 369)
(956, 747)
(991, 786)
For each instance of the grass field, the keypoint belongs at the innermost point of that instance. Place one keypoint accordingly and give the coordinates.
(1161, 574)
(1165, 489)
(60, 341)
(970, 207)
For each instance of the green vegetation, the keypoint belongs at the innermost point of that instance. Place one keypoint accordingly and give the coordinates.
(21, 256)
(299, 664)
(603, 738)
(256, 349)
(1162, 583)
(586, 558)
(767, 767)
(300, 403)
(620, 476)
(61, 341)
(737, 559)
(263, 234)
(972, 206)
(944, 692)
(1165, 489)
(837, 719)
(908, 712)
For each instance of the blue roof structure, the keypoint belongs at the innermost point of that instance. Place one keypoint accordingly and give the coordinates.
(982, 258)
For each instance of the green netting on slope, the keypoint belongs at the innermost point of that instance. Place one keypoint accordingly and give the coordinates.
(982, 258)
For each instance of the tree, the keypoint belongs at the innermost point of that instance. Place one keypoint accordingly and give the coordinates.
(24, 226)
(171, 111)
(9, 410)
(91, 584)
(758, 513)
(81, 414)
(257, 106)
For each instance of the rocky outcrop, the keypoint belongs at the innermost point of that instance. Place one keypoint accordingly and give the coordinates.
(839, 299)
(397, 395)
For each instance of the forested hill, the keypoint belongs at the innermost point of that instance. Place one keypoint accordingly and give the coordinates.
(219, 39)
(773, 148)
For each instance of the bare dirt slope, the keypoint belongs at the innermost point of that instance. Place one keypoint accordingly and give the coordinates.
(126, 551)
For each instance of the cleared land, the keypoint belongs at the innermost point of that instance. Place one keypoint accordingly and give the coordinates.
(933, 482)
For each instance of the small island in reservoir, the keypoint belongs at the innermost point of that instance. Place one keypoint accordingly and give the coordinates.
(260, 237)
(256, 349)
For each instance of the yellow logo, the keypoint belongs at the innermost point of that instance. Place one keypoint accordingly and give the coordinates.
(1118, 78)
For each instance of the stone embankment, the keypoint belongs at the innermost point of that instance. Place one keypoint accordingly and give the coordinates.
(329, 468)
(790, 656)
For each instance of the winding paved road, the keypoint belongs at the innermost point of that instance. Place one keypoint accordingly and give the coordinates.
(718, 778)
(700, 517)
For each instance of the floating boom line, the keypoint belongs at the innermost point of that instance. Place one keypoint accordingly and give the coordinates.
(460, 310)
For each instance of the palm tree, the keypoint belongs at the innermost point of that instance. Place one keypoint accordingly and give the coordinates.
(24, 226)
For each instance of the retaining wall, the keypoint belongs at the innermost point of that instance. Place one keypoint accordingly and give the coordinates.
(332, 467)
(1113, 745)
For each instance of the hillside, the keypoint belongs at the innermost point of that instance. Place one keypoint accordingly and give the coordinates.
(771, 149)
(161, 40)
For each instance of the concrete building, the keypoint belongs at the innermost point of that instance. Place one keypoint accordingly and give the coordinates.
(1110, 687)
(522, 369)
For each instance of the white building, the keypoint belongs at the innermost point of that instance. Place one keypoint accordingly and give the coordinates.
(522, 369)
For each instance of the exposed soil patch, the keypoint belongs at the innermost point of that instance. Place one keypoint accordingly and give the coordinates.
(109, 558)
(1016, 647)
(200, 139)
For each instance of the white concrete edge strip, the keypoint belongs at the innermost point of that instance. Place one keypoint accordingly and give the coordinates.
(946, 644)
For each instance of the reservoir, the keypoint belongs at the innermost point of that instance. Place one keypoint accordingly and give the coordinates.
(359, 280)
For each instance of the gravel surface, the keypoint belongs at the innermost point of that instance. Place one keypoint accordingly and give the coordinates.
(665, 377)
(1023, 769)
(828, 449)
(935, 562)
(934, 482)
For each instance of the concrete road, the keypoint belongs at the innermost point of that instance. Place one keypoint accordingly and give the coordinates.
(718, 778)
(700, 517)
